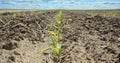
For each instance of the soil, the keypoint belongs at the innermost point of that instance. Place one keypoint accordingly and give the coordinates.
(85, 38)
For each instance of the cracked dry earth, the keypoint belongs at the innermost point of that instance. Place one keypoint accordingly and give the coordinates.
(85, 39)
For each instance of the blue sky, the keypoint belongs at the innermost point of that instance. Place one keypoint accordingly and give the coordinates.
(60, 4)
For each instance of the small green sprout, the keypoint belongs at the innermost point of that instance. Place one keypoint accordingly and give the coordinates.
(14, 14)
(55, 35)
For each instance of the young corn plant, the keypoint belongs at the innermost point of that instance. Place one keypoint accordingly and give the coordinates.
(14, 15)
(55, 35)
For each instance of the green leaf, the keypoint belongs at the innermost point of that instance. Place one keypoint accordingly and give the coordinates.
(54, 34)
(47, 48)
(54, 25)
(59, 46)
(53, 41)
(59, 17)
(58, 49)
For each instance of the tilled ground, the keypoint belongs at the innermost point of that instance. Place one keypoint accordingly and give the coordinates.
(85, 39)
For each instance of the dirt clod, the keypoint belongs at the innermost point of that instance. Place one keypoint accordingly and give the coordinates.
(12, 58)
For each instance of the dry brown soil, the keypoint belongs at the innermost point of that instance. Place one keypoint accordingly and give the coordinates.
(85, 38)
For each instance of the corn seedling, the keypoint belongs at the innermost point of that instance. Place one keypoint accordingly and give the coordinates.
(14, 15)
(55, 35)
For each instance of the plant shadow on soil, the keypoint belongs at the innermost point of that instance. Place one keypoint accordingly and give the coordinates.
(85, 38)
